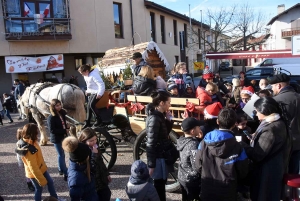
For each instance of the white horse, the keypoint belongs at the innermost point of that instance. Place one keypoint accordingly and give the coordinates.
(37, 97)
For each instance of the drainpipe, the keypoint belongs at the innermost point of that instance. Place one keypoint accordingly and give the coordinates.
(132, 31)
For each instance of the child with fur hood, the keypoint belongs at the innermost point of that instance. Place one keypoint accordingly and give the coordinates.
(139, 188)
(80, 181)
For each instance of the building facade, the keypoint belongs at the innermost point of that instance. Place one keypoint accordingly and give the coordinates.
(82, 31)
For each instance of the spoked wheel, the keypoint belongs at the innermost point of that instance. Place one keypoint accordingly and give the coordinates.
(139, 153)
(107, 146)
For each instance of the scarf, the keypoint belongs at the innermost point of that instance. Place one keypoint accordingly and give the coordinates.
(266, 121)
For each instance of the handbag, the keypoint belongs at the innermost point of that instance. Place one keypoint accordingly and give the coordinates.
(170, 152)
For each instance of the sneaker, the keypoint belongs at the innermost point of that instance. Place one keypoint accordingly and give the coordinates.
(60, 172)
(11, 121)
(30, 186)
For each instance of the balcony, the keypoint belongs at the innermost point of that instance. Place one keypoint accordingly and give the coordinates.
(24, 28)
(288, 33)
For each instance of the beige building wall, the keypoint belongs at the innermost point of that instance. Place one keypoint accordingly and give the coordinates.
(92, 28)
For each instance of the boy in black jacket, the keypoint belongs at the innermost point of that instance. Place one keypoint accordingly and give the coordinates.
(187, 145)
(221, 160)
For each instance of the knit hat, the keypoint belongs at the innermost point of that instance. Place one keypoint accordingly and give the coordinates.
(160, 83)
(139, 172)
(171, 86)
(78, 151)
(248, 90)
(207, 73)
(212, 111)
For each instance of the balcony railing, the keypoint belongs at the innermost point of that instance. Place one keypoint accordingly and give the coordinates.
(25, 28)
(287, 33)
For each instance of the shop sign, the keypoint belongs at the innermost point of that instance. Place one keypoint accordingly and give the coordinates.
(23, 64)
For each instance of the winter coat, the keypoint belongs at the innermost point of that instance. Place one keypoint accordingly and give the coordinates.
(219, 83)
(158, 129)
(269, 154)
(100, 171)
(204, 97)
(7, 103)
(79, 186)
(57, 132)
(290, 100)
(19, 90)
(222, 161)
(141, 192)
(137, 68)
(187, 147)
(143, 86)
(33, 160)
(181, 81)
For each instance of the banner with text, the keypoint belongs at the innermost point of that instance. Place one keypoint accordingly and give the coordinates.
(22, 64)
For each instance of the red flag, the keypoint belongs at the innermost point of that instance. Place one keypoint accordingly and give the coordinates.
(26, 9)
(47, 10)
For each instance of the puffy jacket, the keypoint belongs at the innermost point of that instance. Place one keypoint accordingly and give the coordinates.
(290, 101)
(221, 160)
(8, 103)
(79, 186)
(158, 129)
(187, 146)
(33, 160)
(143, 86)
(141, 192)
(19, 90)
(203, 96)
(137, 68)
(57, 132)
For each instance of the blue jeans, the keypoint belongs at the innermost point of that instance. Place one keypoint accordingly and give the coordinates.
(8, 114)
(39, 189)
(294, 162)
(61, 158)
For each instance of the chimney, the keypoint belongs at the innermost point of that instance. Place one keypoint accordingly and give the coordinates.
(280, 8)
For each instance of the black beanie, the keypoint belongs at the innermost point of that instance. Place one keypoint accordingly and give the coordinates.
(80, 153)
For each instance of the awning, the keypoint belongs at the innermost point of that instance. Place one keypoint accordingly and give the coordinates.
(251, 54)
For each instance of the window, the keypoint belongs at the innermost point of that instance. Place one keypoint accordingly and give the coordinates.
(208, 38)
(152, 26)
(267, 62)
(79, 61)
(185, 35)
(176, 59)
(118, 20)
(199, 38)
(162, 29)
(175, 32)
(253, 72)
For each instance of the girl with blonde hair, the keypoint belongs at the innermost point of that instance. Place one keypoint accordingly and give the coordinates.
(144, 84)
(182, 78)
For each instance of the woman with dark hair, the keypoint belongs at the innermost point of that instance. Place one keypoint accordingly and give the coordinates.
(243, 79)
(269, 150)
(58, 131)
(95, 90)
(158, 127)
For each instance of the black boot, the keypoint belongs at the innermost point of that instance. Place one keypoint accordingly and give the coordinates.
(98, 122)
(86, 124)
(30, 186)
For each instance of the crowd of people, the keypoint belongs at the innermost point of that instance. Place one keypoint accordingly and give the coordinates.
(226, 155)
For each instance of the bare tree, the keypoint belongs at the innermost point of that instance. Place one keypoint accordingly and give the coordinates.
(247, 22)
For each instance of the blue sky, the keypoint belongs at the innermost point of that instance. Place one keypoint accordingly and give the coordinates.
(268, 7)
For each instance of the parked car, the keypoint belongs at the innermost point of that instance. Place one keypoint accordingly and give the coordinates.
(224, 65)
(278, 61)
(259, 73)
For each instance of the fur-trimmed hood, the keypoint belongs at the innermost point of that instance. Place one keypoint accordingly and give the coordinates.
(23, 147)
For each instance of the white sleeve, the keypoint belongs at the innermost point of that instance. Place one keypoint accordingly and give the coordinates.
(101, 86)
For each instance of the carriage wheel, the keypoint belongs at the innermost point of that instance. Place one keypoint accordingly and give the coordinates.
(139, 153)
(107, 146)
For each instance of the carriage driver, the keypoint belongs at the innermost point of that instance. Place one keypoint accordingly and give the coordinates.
(95, 90)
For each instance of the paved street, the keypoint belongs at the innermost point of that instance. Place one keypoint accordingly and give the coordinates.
(12, 181)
